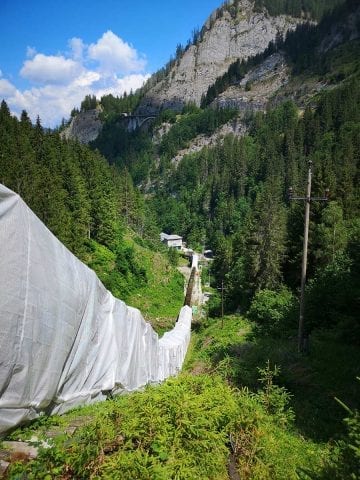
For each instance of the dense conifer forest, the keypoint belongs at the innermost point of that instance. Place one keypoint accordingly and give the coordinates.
(313, 8)
(234, 197)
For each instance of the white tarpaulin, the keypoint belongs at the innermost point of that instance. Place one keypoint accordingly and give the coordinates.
(64, 339)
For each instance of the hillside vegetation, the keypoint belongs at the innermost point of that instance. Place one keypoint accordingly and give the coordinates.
(234, 196)
(226, 412)
(313, 8)
(248, 404)
(94, 210)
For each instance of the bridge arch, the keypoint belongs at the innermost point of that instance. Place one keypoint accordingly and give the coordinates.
(133, 122)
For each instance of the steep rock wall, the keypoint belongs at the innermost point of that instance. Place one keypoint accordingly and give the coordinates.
(85, 127)
(227, 40)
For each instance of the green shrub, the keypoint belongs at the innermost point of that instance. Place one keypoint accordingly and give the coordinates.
(214, 305)
(173, 257)
(166, 115)
(271, 311)
(344, 462)
(248, 86)
(178, 430)
(275, 399)
(336, 288)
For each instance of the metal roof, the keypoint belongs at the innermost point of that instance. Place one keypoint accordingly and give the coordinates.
(165, 236)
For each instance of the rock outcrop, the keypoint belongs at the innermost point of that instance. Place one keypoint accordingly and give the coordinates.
(85, 127)
(234, 127)
(226, 38)
(257, 87)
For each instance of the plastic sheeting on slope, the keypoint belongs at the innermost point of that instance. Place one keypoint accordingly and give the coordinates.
(195, 261)
(64, 339)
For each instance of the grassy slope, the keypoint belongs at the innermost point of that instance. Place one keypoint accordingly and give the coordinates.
(314, 381)
(162, 297)
(180, 429)
(159, 299)
(183, 428)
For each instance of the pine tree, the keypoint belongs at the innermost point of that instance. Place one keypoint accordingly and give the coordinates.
(265, 239)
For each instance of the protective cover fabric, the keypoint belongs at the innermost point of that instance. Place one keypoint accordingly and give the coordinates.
(64, 339)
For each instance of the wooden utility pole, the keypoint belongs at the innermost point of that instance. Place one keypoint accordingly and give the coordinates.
(222, 302)
(304, 261)
(308, 199)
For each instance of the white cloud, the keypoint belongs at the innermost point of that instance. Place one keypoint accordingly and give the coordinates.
(115, 56)
(77, 48)
(6, 88)
(125, 84)
(86, 79)
(58, 83)
(54, 102)
(50, 69)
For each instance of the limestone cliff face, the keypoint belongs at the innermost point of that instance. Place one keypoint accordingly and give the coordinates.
(225, 40)
(257, 87)
(85, 127)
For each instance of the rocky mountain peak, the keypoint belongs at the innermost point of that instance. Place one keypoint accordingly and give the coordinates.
(227, 35)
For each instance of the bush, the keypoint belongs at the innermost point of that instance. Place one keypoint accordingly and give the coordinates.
(336, 288)
(173, 257)
(264, 445)
(214, 305)
(177, 430)
(344, 461)
(274, 398)
(167, 115)
(273, 312)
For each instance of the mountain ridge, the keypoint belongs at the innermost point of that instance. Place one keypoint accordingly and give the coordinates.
(194, 71)
(225, 39)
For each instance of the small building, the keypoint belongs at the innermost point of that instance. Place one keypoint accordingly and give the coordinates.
(171, 241)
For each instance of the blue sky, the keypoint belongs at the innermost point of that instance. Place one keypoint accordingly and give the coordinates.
(53, 53)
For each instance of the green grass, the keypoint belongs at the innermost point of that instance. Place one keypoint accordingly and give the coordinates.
(314, 380)
(159, 297)
(215, 342)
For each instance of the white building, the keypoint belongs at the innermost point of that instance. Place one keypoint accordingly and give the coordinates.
(171, 241)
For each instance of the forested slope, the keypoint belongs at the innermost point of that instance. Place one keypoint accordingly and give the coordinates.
(233, 197)
(91, 207)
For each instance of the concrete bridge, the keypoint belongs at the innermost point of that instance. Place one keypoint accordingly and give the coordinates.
(133, 122)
